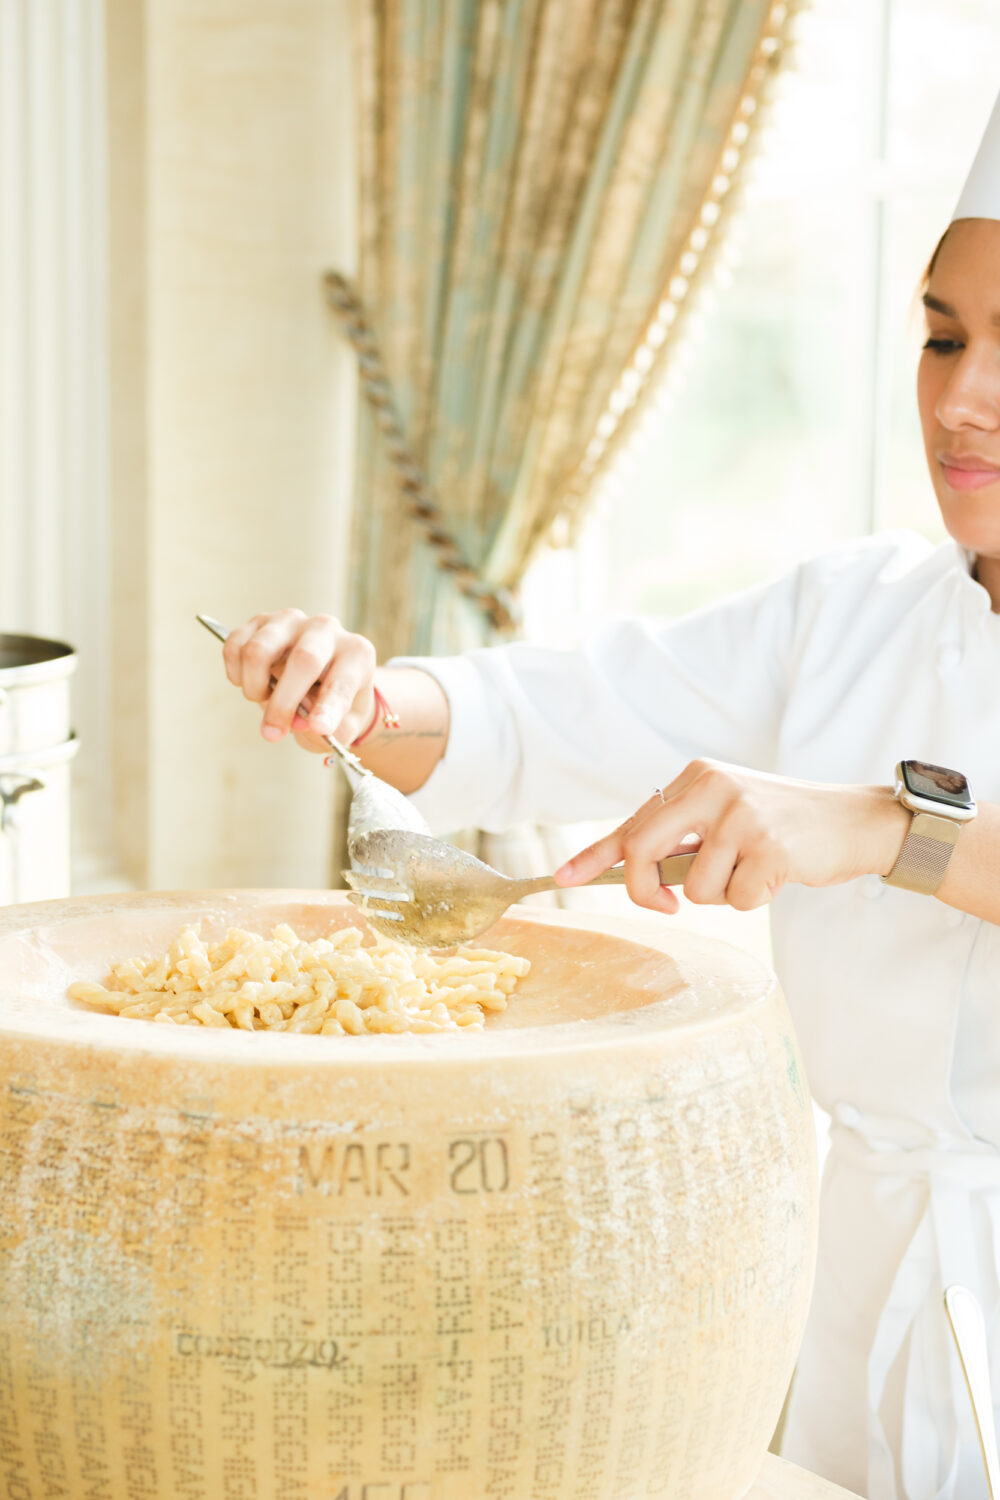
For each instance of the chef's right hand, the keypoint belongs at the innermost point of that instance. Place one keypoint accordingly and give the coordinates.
(318, 664)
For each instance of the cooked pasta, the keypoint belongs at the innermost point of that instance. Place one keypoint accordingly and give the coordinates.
(334, 986)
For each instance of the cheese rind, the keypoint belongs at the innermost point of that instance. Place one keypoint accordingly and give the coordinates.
(545, 1261)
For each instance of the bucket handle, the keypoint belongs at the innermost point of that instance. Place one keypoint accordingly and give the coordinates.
(13, 786)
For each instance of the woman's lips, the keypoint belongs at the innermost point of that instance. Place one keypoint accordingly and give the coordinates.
(960, 476)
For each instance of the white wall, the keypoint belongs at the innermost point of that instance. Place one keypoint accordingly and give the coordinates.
(176, 406)
(242, 431)
(53, 366)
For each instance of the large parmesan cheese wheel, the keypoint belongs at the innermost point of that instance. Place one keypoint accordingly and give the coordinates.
(565, 1258)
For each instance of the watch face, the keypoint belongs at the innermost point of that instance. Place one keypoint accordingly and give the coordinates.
(937, 783)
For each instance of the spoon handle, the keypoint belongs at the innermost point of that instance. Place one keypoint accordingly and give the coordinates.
(342, 753)
(672, 872)
(969, 1330)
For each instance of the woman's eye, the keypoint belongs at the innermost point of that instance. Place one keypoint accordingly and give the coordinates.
(942, 346)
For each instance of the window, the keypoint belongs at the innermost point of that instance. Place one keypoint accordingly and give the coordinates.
(789, 421)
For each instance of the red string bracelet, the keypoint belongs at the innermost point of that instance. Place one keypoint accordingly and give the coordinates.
(383, 712)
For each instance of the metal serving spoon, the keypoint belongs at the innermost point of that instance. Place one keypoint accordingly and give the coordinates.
(374, 804)
(421, 890)
(425, 892)
(969, 1331)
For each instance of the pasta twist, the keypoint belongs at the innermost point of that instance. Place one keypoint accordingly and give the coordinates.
(334, 986)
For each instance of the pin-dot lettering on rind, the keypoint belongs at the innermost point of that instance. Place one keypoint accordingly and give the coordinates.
(480, 1165)
(354, 1168)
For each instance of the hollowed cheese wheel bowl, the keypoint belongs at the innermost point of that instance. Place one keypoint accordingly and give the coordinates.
(567, 1257)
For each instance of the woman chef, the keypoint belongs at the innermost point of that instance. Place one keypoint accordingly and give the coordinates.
(770, 725)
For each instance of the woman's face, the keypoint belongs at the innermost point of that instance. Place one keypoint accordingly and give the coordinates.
(958, 383)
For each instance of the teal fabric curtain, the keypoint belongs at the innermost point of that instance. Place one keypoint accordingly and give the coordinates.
(540, 183)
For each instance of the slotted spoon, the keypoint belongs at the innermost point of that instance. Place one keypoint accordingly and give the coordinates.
(425, 892)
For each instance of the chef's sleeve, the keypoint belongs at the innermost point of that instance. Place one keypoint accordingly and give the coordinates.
(556, 736)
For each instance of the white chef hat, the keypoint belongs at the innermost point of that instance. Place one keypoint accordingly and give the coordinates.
(980, 197)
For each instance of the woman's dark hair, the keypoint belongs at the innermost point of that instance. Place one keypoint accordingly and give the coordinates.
(933, 260)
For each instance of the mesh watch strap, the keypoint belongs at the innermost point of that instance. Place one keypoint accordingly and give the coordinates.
(924, 856)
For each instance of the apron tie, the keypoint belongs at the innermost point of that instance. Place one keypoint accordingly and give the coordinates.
(941, 1251)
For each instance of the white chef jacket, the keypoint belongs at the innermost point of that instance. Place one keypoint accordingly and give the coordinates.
(879, 650)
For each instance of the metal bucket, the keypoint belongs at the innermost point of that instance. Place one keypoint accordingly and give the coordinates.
(34, 693)
(36, 749)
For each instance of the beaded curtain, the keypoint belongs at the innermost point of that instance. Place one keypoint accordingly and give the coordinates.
(539, 183)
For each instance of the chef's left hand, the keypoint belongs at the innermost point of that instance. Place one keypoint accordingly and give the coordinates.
(756, 832)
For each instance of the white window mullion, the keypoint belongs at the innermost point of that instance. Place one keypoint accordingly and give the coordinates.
(47, 498)
(54, 503)
(86, 540)
(879, 371)
(14, 403)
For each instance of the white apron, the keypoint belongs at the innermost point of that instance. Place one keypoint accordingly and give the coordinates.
(910, 1204)
(877, 651)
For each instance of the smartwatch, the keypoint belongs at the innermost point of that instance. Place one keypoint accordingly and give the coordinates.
(940, 801)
